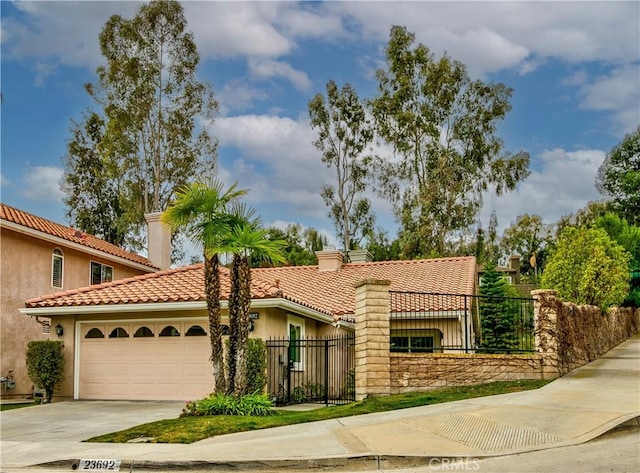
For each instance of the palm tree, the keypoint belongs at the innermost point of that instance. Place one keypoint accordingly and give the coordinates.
(202, 209)
(245, 240)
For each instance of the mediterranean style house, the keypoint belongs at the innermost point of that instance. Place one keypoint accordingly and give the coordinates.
(39, 256)
(145, 337)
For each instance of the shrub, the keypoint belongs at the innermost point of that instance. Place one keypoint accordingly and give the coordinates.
(256, 365)
(308, 393)
(45, 364)
(349, 385)
(257, 404)
(587, 267)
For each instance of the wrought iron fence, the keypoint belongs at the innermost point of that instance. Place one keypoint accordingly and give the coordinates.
(311, 370)
(460, 323)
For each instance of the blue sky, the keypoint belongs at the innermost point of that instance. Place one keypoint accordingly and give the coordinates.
(574, 67)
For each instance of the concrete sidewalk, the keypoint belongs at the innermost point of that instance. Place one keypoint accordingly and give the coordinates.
(578, 407)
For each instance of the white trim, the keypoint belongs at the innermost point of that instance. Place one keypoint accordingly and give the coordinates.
(117, 308)
(76, 246)
(179, 306)
(54, 255)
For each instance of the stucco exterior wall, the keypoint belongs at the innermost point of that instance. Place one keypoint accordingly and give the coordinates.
(270, 322)
(25, 272)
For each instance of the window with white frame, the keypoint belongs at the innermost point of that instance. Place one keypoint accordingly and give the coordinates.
(57, 268)
(296, 342)
(101, 273)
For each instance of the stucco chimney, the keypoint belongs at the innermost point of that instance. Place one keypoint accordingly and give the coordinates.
(329, 259)
(360, 256)
(158, 241)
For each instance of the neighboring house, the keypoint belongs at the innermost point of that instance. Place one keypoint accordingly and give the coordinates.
(146, 337)
(513, 276)
(40, 256)
(510, 273)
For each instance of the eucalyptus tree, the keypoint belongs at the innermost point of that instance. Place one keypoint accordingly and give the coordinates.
(529, 237)
(92, 191)
(619, 177)
(300, 244)
(152, 105)
(201, 209)
(344, 134)
(246, 241)
(442, 127)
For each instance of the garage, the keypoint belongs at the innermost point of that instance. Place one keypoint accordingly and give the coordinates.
(145, 360)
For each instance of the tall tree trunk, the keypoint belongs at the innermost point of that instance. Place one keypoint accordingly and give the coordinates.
(244, 305)
(212, 290)
(234, 320)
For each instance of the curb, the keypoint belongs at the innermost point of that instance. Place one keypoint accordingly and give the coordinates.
(358, 463)
(364, 462)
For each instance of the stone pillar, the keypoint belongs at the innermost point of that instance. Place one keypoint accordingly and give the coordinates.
(545, 318)
(372, 338)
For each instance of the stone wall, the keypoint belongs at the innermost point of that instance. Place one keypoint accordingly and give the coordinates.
(570, 335)
(566, 336)
(417, 372)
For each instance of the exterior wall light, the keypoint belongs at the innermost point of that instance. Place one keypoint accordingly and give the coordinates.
(59, 330)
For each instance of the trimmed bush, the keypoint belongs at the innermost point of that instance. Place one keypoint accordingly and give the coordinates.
(229, 405)
(256, 365)
(45, 365)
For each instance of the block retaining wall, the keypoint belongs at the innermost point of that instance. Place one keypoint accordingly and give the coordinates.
(418, 372)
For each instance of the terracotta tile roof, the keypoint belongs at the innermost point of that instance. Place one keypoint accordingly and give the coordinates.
(11, 214)
(334, 292)
(329, 292)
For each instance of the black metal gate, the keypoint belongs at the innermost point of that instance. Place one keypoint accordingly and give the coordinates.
(311, 370)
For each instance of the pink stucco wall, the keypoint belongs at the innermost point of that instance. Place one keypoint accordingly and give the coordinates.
(25, 272)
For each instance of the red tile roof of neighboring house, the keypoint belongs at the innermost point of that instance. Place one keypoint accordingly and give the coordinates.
(329, 292)
(11, 214)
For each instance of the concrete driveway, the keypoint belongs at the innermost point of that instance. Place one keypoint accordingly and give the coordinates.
(76, 421)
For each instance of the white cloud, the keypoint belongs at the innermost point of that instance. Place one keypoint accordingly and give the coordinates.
(238, 95)
(67, 32)
(268, 68)
(307, 22)
(488, 36)
(43, 70)
(619, 93)
(43, 183)
(4, 182)
(563, 184)
(229, 29)
(578, 78)
(278, 162)
(59, 32)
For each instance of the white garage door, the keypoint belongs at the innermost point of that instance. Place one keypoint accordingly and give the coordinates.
(144, 361)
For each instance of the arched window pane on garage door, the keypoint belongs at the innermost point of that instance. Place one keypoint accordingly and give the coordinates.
(143, 332)
(118, 332)
(195, 331)
(94, 333)
(169, 331)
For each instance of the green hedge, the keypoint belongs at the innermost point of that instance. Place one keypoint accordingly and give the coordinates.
(45, 364)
